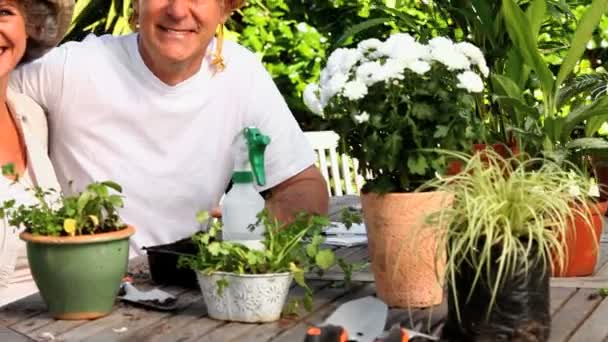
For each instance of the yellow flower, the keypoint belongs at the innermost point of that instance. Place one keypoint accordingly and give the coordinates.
(69, 225)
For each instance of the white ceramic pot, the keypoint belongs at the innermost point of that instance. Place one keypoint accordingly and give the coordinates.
(246, 298)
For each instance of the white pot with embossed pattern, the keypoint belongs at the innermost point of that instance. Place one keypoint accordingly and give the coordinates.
(250, 298)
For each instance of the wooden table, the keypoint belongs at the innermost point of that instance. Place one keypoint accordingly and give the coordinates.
(578, 313)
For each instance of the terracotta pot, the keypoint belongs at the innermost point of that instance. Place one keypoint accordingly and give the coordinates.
(505, 151)
(403, 249)
(582, 244)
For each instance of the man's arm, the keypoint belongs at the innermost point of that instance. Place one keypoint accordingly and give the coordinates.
(304, 192)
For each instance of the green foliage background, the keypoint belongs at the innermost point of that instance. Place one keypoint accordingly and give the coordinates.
(294, 37)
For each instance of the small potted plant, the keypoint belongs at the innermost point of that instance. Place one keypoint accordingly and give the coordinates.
(77, 248)
(248, 285)
(388, 100)
(502, 232)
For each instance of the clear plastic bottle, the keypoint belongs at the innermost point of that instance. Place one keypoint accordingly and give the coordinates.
(243, 202)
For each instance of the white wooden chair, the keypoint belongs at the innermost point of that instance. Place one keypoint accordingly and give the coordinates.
(344, 176)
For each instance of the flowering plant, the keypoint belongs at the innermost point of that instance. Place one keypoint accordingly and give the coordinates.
(389, 100)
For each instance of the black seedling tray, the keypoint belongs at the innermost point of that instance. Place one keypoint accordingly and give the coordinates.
(163, 263)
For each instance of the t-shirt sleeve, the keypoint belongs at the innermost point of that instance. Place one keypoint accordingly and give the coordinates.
(289, 151)
(42, 79)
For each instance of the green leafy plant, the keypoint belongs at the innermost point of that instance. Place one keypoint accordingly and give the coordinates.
(520, 208)
(390, 99)
(294, 248)
(91, 211)
(553, 122)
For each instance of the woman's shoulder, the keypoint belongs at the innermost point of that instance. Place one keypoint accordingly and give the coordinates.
(29, 114)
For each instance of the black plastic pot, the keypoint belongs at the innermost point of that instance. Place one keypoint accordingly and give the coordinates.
(520, 313)
(163, 263)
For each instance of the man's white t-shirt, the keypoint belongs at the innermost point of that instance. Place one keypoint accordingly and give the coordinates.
(170, 147)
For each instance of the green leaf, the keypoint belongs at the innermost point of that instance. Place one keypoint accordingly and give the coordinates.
(417, 165)
(83, 200)
(588, 144)
(8, 170)
(582, 36)
(580, 114)
(355, 29)
(441, 131)
(311, 250)
(112, 185)
(325, 259)
(536, 14)
(594, 124)
(214, 248)
(524, 41)
(298, 274)
(202, 216)
(506, 87)
(221, 285)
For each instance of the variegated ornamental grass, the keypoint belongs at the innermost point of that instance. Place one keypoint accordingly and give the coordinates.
(518, 209)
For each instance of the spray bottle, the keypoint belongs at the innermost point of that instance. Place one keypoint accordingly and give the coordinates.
(243, 202)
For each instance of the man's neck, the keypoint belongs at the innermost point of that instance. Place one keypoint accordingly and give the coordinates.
(169, 73)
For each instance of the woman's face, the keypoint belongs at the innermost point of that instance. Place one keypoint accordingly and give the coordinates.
(13, 37)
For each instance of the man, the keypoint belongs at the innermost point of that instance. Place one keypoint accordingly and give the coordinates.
(157, 112)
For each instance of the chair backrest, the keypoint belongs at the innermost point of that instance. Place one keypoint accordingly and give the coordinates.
(340, 172)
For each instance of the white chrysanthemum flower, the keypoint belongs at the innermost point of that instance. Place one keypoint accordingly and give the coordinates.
(334, 62)
(403, 46)
(419, 67)
(361, 118)
(311, 99)
(448, 56)
(342, 60)
(369, 45)
(441, 42)
(470, 81)
(475, 56)
(325, 76)
(393, 69)
(332, 87)
(349, 59)
(370, 73)
(355, 90)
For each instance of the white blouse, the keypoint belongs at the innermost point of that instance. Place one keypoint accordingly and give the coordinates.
(31, 122)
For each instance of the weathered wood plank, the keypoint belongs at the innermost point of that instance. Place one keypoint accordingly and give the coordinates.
(189, 322)
(146, 318)
(123, 315)
(595, 327)
(593, 282)
(22, 309)
(298, 332)
(559, 297)
(7, 335)
(226, 333)
(322, 297)
(573, 314)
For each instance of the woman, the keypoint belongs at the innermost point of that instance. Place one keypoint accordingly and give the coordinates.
(27, 29)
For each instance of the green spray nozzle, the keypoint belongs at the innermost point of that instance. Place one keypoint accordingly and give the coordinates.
(256, 143)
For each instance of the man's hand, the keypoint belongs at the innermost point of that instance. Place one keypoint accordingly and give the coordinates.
(304, 192)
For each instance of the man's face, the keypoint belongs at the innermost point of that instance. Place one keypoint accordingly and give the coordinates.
(178, 31)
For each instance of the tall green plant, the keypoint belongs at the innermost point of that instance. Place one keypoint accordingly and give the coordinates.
(557, 124)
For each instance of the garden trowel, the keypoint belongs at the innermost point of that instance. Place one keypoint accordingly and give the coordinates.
(360, 320)
(152, 299)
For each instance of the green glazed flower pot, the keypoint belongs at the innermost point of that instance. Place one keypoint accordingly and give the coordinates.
(79, 276)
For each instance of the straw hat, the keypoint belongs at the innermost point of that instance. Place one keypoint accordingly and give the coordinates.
(47, 21)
